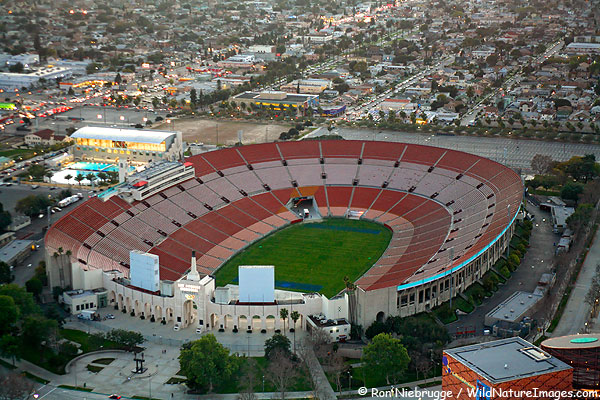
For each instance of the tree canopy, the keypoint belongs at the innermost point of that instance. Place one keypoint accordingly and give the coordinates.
(33, 205)
(387, 356)
(276, 343)
(206, 363)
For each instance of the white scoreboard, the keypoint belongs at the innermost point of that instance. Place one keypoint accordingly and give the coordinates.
(257, 283)
(143, 270)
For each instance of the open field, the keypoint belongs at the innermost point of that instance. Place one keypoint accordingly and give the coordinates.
(206, 130)
(314, 256)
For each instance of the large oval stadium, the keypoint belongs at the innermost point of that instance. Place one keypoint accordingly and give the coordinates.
(451, 215)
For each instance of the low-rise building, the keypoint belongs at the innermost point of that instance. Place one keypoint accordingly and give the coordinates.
(44, 137)
(559, 217)
(11, 81)
(76, 301)
(508, 368)
(337, 329)
(307, 86)
(135, 145)
(15, 252)
(279, 100)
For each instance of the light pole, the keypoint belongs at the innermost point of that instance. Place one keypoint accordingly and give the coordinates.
(349, 381)
(263, 383)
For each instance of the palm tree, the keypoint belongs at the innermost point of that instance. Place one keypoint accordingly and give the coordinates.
(102, 176)
(91, 177)
(295, 315)
(61, 273)
(49, 175)
(68, 177)
(283, 313)
(79, 178)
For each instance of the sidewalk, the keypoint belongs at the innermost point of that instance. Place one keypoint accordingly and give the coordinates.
(576, 312)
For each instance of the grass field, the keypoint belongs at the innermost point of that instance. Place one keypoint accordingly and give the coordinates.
(314, 255)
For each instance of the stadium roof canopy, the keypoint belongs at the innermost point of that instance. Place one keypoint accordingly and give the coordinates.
(128, 135)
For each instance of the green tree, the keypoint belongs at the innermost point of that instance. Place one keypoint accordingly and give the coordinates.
(5, 273)
(387, 356)
(37, 171)
(21, 297)
(16, 68)
(295, 316)
(571, 191)
(33, 205)
(10, 347)
(102, 176)
(79, 178)
(206, 363)
(91, 177)
(37, 329)
(68, 178)
(283, 314)
(277, 342)
(9, 313)
(5, 218)
(128, 339)
(34, 286)
(581, 217)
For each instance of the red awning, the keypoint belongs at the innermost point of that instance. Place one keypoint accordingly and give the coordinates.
(140, 184)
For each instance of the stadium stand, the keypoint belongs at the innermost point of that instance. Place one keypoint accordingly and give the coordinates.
(432, 199)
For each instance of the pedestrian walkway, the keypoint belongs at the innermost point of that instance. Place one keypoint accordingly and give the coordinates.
(575, 314)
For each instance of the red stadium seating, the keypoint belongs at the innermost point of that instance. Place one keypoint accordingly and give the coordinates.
(248, 204)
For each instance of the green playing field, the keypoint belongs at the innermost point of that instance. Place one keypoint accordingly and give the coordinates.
(314, 256)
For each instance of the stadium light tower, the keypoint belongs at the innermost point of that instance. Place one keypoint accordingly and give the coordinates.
(451, 274)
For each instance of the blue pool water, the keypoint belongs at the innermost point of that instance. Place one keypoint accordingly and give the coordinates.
(97, 167)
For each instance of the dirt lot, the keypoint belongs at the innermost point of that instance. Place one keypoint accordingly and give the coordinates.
(206, 131)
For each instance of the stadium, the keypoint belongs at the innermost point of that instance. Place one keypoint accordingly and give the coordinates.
(450, 215)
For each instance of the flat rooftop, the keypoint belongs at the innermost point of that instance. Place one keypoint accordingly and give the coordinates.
(153, 170)
(123, 134)
(289, 98)
(14, 248)
(513, 308)
(325, 323)
(84, 293)
(586, 341)
(506, 360)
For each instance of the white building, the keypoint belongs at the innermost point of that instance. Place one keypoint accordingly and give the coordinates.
(136, 145)
(583, 48)
(11, 81)
(193, 301)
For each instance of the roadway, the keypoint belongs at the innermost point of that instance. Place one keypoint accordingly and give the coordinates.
(471, 115)
(363, 109)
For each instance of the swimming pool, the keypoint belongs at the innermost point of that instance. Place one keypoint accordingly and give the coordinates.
(97, 167)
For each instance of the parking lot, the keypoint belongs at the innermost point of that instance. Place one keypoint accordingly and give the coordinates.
(516, 153)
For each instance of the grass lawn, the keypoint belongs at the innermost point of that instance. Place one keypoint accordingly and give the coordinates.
(14, 153)
(104, 361)
(55, 363)
(88, 342)
(93, 368)
(315, 254)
